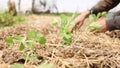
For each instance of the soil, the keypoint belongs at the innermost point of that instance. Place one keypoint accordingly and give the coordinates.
(87, 50)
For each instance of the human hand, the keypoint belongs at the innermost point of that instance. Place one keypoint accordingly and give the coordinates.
(79, 20)
(102, 23)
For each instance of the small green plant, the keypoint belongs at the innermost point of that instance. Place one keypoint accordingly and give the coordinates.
(65, 22)
(93, 18)
(55, 22)
(64, 28)
(7, 18)
(94, 26)
(27, 42)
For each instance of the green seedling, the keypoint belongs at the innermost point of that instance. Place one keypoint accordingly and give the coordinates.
(94, 26)
(55, 22)
(7, 18)
(27, 42)
(65, 22)
(93, 18)
(64, 28)
(36, 36)
(9, 40)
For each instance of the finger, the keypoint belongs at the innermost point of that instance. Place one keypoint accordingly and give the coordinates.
(73, 27)
(79, 25)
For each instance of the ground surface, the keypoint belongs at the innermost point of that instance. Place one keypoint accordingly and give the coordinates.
(87, 50)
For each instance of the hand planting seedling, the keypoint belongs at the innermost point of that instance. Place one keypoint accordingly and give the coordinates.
(93, 17)
(27, 42)
(94, 25)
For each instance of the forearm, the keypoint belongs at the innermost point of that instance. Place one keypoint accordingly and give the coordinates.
(104, 5)
(113, 24)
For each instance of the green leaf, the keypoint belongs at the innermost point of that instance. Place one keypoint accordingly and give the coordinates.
(42, 40)
(21, 46)
(104, 13)
(64, 28)
(23, 40)
(24, 56)
(16, 65)
(30, 45)
(64, 20)
(39, 35)
(17, 37)
(67, 38)
(92, 17)
(94, 26)
(9, 41)
(7, 18)
(32, 34)
(55, 22)
(99, 15)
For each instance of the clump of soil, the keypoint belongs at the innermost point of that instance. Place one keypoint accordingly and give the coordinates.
(87, 50)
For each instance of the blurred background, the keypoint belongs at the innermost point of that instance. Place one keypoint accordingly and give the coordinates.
(52, 6)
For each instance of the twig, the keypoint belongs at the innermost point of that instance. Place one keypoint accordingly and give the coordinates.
(88, 66)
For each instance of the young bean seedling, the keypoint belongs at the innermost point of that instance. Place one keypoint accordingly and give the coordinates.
(31, 38)
(94, 25)
(7, 18)
(64, 28)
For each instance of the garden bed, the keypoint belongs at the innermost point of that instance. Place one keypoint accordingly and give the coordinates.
(87, 50)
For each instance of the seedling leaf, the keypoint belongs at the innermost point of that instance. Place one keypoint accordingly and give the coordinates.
(21, 46)
(92, 17)
(55, 22)
(104, 13)
(16, 65)
(30, 45)
(94, 26)
(42, 40)
(32, 34)
(99, 15)
(9, 41)
(17, 37)
(38, 35)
